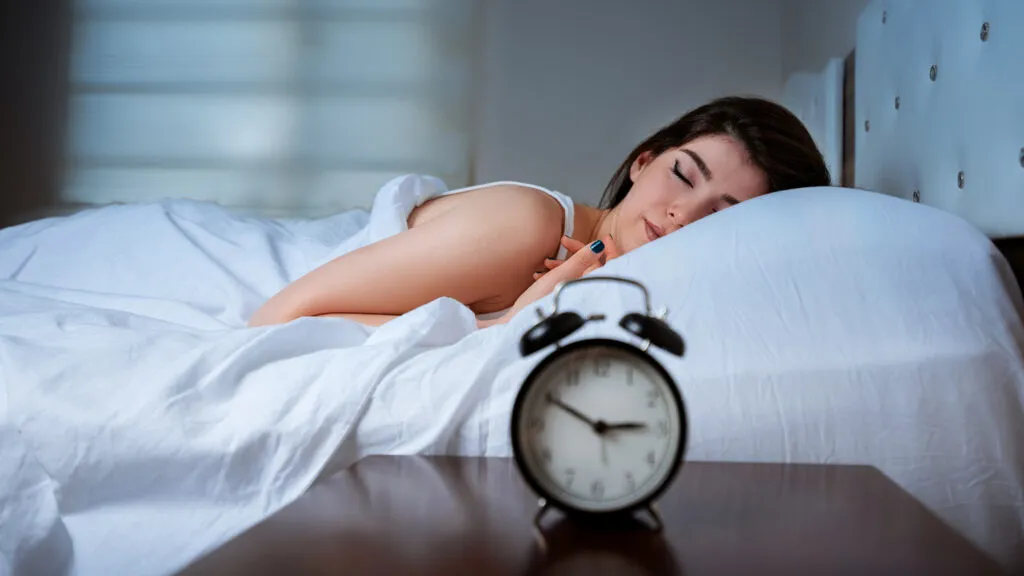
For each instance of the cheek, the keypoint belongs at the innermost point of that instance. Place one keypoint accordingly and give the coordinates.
(656, 191)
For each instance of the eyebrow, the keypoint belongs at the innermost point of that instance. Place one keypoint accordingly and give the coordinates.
(703, 167)
(700, 164)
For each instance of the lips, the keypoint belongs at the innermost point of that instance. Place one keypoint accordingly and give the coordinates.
(653, 230)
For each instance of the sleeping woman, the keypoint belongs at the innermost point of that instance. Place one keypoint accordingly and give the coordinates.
(498, 247)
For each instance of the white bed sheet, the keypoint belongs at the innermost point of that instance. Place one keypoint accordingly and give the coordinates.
(142, 425)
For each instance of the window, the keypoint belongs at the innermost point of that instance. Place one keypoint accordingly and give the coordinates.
(276, 107)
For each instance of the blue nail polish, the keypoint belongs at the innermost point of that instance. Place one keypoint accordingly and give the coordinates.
(597, 247)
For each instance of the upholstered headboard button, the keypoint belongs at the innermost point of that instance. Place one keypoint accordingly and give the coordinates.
(927, 135)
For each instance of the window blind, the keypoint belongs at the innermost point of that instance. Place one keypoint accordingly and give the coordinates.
(276, 107)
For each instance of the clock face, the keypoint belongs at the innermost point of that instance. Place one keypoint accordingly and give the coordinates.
(599, 427)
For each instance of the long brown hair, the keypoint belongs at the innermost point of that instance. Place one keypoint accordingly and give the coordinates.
(775, 139)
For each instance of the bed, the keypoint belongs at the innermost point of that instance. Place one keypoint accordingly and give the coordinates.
(925, 109)
(878, 322)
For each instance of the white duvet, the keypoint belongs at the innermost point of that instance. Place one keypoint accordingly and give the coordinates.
(142, 424)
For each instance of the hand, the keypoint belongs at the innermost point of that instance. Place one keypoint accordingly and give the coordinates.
(572, 411)
(625, 426)
(573, 246)
(599, 426)
(584, 261)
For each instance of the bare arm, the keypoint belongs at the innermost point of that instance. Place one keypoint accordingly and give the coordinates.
(474, 252)
(585, 259)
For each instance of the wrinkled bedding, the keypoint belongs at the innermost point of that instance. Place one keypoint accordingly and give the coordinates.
(142, 424)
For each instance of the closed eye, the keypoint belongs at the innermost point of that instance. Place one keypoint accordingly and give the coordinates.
(679, 174)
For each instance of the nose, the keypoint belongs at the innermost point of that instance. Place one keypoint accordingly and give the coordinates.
(678, 216)
(682, 213)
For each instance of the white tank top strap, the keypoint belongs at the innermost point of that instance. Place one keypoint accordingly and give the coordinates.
(563, 199)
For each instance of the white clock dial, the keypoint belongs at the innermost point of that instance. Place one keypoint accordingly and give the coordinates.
(599, 428)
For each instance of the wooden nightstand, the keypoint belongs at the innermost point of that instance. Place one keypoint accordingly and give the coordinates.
(446, 515)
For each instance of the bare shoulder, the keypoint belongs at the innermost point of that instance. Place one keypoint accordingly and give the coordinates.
(536, 214)
(502, 232)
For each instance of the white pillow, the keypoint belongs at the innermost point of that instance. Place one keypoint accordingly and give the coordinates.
(816, 277)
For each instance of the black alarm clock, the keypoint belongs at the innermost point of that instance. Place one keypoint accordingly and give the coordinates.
(599, 427)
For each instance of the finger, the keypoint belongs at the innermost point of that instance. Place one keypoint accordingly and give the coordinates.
(574, 267)
(551, 263)
(592, 268)
(572, 245)
(611, 247)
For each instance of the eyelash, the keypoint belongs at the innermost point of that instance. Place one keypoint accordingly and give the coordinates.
(679, 174)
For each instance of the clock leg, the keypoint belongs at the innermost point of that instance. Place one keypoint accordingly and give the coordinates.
(652, 511)
(538, 532)
(544, 506)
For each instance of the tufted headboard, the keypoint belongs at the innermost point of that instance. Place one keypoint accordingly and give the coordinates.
(938, 110)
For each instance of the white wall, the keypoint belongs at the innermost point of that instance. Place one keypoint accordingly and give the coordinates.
(569, 87)
(815, 30)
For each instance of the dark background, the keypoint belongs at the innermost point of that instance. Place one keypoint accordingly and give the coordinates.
(34, 47)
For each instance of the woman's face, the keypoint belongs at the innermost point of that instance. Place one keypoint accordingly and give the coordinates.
(683, 185)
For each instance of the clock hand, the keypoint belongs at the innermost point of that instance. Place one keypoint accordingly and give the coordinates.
(626, 426)
(599, 426)
(576, 413)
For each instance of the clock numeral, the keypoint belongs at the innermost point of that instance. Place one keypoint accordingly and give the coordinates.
(597, 489)
(573, 377)
(570, 475)
(602, 366)
(652, 397)
(662, 428)
(630, 482)
(651, 458)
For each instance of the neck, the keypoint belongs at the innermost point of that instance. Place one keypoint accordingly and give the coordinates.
(595, 223)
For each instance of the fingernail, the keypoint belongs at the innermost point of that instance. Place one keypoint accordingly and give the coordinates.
(597, 247)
